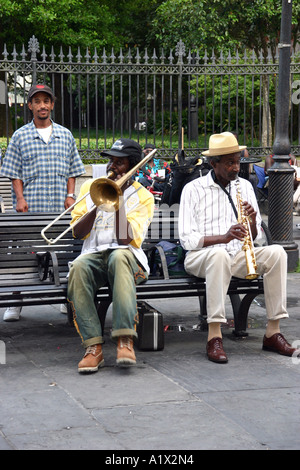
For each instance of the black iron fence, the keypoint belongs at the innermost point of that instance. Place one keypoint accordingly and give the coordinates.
(175, 99)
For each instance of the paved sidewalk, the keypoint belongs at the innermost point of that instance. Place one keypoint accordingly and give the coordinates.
(173, 399)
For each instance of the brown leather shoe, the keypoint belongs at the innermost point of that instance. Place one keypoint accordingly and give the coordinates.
(92, 360)
(278, 343)
(215, 351)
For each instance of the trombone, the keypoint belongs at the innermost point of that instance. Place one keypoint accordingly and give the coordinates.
(105, 194)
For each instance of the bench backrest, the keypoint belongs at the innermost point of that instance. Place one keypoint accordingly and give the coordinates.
(21, 240)
(164, 225)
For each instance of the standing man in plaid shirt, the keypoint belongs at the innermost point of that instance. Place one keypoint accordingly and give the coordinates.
(42, 161)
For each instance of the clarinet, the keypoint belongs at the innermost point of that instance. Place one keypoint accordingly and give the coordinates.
(248, 242)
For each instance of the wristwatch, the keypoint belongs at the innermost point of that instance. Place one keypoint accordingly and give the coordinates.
(72, 195)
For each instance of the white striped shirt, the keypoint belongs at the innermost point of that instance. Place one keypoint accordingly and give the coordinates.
(205, 210)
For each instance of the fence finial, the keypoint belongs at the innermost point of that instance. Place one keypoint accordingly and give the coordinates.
(180, 51)
(33, 47)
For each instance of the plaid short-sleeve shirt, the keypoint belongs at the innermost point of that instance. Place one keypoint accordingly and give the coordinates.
(43, 167)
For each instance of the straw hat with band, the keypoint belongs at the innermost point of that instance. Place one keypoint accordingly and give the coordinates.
(223, 144)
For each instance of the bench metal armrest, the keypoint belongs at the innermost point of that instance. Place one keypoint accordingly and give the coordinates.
(44, 267)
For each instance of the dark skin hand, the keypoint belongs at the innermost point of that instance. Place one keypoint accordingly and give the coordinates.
(120, 166)
(227, 170)
(22, 205)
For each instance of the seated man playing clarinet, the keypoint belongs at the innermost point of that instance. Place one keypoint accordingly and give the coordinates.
(218, 221)
(111, 254)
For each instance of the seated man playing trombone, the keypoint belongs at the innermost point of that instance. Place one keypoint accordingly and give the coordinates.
(111, 253)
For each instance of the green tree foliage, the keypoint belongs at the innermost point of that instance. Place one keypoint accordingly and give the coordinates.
(85, 23)
(130, 23)
(222, 23)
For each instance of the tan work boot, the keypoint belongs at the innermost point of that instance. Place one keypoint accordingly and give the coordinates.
(125, 351)
(92, 360)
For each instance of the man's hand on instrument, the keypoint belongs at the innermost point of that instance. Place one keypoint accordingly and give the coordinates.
(249, 211)
(237, 231)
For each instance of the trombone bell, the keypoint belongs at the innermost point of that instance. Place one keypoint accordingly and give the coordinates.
(105, 194)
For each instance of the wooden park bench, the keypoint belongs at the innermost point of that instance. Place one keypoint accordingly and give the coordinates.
(33, 272)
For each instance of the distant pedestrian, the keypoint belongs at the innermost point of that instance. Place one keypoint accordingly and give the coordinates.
(154, 172)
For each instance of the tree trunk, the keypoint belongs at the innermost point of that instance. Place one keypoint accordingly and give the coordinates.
(3, 119)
